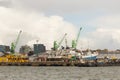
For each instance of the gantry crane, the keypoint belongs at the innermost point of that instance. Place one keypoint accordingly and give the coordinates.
(75, 42)
(57, 45)
(14, 44)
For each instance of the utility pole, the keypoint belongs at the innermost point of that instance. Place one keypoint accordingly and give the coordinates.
(37, 46)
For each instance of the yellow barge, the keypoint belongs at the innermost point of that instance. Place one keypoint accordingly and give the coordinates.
(13, 58)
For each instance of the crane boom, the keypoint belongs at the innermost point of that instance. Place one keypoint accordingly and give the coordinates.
(75, 42)
(14, 44)
(78, 36)
(56, 46)
(62, 40)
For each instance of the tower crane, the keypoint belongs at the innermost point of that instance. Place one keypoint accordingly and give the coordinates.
(75, 42)
(57, 45)
(14, 44)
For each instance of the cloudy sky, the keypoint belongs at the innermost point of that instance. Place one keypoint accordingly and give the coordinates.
(49, 20)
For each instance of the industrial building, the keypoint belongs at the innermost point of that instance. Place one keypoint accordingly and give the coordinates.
(4, 48)
(39, 48)
(25, 49)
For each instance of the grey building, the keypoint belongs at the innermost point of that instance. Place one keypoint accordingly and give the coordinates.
(39, 48)
(4, 48)
(25, 49)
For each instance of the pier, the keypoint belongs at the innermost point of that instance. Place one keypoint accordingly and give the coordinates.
(79, 63)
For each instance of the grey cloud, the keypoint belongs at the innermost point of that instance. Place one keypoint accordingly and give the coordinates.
(34, 26)
(66, 6)
(6, 3)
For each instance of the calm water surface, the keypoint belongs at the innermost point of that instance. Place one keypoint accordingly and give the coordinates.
(59, 73)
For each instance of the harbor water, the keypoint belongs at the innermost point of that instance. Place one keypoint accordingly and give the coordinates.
(59, 73)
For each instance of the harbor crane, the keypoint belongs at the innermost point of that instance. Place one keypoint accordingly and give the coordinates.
(14, 44)
(66, 43)
(57, 45)
(75, 42)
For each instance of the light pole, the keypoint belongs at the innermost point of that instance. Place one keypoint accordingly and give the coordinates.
(37, 46)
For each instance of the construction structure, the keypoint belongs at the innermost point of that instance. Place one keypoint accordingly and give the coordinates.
(56, 45)
(14, 44)
(75, 42)
(54, 57)
(12, 58)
